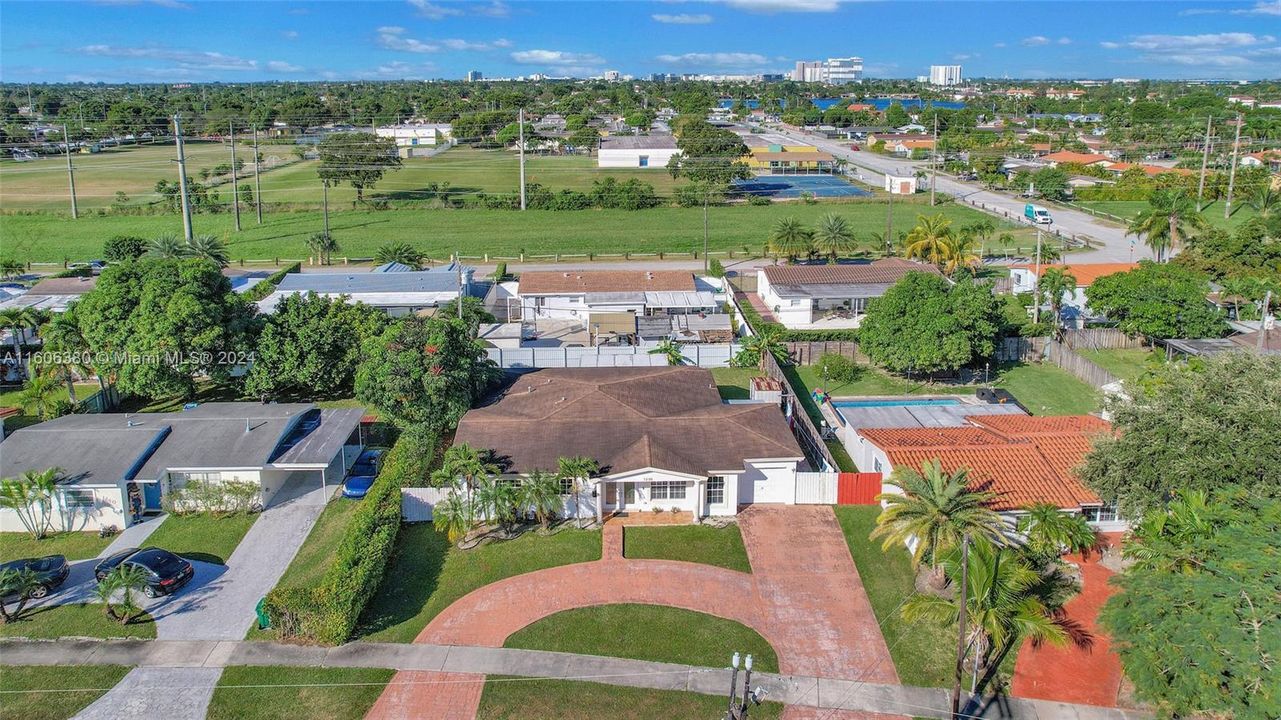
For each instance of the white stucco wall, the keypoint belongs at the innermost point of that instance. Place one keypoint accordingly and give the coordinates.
(108, 510)
(768, 482)
(630, 158)
(793, 313)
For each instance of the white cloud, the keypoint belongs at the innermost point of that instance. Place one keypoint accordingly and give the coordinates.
(281, 66)
(1035, 41)
(502, 43)
(1263, 7)
(496, 9)
(289, 34)
(683, 19)
(1199, 11)
(171, 4)
(1065, 41)
(1211, 50)
(393, 37)
(195, 59)
(1110, 45)
(780, 6)
(965, 56)
(559, 58)
(1206, 41)
(455, 44)
(998, 45)
(717, 59)
(433, 11)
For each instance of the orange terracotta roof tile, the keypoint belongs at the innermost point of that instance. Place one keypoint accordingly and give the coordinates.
(931, 437)
(1085, 273)
(1018, 473)
(1028, 425)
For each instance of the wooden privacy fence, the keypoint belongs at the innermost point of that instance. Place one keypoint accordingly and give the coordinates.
(808, 353)
(1100, 339)
(416, 503)
(1020, 349)
(816, 488)
(1061, 355)
(858, 488)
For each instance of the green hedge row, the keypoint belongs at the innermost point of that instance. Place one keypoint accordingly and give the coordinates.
(328, 612)
(268, 286)
(757, 322)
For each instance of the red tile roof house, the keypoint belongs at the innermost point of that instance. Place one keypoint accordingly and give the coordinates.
(1074, 312)
(1022, 459)
(1067, 156)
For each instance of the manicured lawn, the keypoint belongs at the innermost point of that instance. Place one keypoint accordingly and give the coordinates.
(76, 686)
(202, 537)
(12, 397)
(74, 545)
(704, 544)
(473, 232)
(427, 574)
(923, 654)
(646, 632)
(1126, 363)
(316, 693)
(1047, 390)
(312, 560)
(735, 383)
(844, 462)
(1213, 213)
(77, 620)
(520, 699)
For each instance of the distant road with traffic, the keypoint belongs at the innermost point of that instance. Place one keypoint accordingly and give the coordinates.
(1116, 247)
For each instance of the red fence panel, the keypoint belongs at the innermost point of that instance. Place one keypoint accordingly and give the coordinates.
(858, 488)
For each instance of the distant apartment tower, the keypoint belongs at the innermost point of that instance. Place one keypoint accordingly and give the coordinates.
(945, 74)
(836, 71)
(612, 75)
(475, 76)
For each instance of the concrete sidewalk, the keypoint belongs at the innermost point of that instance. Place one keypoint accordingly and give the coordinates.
(201, 658)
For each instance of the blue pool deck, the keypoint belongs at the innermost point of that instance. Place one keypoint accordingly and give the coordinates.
(896, 402)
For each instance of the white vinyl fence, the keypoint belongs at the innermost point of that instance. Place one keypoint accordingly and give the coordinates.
(816, 488)
(700, 354)
(416, 503)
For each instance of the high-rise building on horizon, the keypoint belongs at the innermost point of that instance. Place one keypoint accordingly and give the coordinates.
(945, 74)
(835, 71)
(475, 76)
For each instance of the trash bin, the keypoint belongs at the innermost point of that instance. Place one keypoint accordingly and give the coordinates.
(264, 621)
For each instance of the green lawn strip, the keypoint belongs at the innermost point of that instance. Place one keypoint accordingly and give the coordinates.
(646, 632)
(53, 238)
(316, 693)
(722, 547)
(1213, 213)
(734, 383)
(1126, 363)
(74, 545)
(427, 574)
(1048, 390)
(507, 698)
(13, 397)
(206, 538)
(74, 686)
(844, 463)
(77, 620)
(924, 654)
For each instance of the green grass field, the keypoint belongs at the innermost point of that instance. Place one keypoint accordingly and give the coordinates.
(316, 693)
(474, 232)
(77, 620)
(53, 692)
(1213, 213)
(507, 698)
(202, 537)
(1048, 390)
(722, 547)
(72, 545)
(13, 397)
(1125, 363)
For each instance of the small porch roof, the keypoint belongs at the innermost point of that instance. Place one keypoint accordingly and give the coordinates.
(316, 446)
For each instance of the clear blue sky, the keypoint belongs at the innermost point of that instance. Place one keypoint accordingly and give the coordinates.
(199, 40)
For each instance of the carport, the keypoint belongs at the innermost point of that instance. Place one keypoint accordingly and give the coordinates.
(326, 442)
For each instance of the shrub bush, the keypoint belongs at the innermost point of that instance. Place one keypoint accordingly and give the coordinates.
(758, 200)
(233, 497)
(268, 286)
(839, 368)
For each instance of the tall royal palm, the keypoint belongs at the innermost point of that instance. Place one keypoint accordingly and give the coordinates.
(833, 236)
(790, 238)
(931, 240)
(1170, 217)
(936, 510)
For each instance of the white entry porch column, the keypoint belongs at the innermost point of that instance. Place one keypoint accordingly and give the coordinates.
(600, 501)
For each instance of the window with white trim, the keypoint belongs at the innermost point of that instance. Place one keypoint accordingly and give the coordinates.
(567, 485)
(1103, 513)
(78, 500)
(715, 490)
(666, 490)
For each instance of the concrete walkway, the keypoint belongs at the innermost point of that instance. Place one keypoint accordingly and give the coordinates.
(169, 693)
(443, 664)
(134, 536)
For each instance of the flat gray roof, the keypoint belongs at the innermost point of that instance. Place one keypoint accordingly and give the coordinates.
(89, 449)
(920, 416)
(355, 283)
(638, 142)
(226, 435)
(318, 443)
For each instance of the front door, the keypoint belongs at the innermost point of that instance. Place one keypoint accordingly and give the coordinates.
(629, 495)
(151, 496)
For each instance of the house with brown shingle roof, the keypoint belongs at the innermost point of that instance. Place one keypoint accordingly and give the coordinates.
(661, 435)
(829, 296)
(1022, 459)
(611, 294)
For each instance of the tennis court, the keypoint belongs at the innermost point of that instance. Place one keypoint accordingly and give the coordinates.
(792, 186)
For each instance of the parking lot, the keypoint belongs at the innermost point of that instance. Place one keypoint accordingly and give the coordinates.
(792, 186)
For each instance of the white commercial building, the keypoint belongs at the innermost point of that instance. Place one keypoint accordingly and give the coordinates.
(945, 74)
(636, 151)
(415, 135)
(835, 71)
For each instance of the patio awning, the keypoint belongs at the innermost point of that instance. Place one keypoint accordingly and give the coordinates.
(623, 323)
(315, 447)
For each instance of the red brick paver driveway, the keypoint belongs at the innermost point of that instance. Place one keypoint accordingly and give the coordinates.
(804, 597)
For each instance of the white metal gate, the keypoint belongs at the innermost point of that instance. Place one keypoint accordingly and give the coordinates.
(816, 488)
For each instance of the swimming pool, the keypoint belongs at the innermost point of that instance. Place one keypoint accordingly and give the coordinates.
(895, 402)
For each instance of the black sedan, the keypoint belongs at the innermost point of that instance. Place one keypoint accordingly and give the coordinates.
(51, 571)
(166, 572)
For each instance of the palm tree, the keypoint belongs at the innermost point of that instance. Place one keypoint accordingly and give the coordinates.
(453, 516)
(1050, 532)
(497, 500)
(167, 246)
(21, 586)
(1055, 283)
(577, 469)
(322, 244)
(540, 492)
(790, 238)
(1162, 539)
(982, 229)
(1168, 220)
(10, 268)
(39, 393)
(30, 497)
(399, 252)
(960, 254)
(1007, 241)
(767, 341)
(208, 247)
(833, 236)
(62, 334)
(935, 511)
(19, 320)
(124, 580)
(1265, 201)
(930, 240)
(669, 349)
(464, 463)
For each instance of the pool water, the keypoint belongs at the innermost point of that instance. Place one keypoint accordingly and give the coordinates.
(895, 402)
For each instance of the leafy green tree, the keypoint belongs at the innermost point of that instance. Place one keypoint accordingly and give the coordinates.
(398, 252)
(1204, 429)
(670, 350)
(925, 324)
(709, 155)
(1051, 183)
(1199, 638)
(790, 238)
(936, 510)
(1158, 301)
(474, 313)
(310, 347)
(896, 116)
(1171, 216)
(424, 371)
(161, 323)
(123, 247)
(833, 236)
(359, 159)
(577, 470)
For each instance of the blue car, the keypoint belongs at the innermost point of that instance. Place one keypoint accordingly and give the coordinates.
(357, 486)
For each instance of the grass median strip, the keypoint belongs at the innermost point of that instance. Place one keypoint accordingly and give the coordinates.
(207, 538)
(77, 620)
(73, 545)
(315, 693)
(518, 699)
(722, 547)
(26, 689)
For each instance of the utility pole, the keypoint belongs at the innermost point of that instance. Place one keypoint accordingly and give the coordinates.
(71, 175)
(733, 687)
(458, 265)
(235, 188)
(960, 619)
(257, 178)
(707, 190)
(889, 216)
(934, 159)
(1263, 322)
(1205, 159)
(325, 185)
(182, 178)
(1036, 281)
(1232, 175)
(520, 115)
